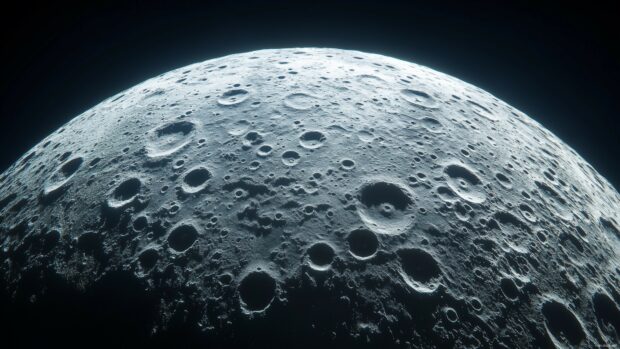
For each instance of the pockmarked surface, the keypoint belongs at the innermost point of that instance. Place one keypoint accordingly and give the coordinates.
(321, 196)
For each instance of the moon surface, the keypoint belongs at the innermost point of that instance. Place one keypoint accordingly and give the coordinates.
(318, 197)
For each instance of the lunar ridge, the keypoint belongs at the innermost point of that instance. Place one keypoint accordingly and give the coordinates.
(310, 196)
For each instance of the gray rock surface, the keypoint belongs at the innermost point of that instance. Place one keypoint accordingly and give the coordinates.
(315, 196)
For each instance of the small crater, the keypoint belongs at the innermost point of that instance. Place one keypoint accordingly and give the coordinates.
(363, 243)
(347, 164)
(312, 139)
(528, 213)
(482, 111)
(371, 80)
(431, 124)
(321, 255)
(562, 323)
(239, 127)
(541, 236)
(140, 223)
(170, 138)
(465, 183)
(195, 179)
(148, 258)
(233, 97)
(59, 181)
(419, 264)
(264, 150)
(419, 98)
(124, 193)
(257, 290)
(253, 138)
(451, 314)
(290, 158)
(69, 168)
(299, 101)
(127, 189)
(365, 136)
(503, 180)
(509, 288)
(182, 237)
(420, 269)
(607, 313)
(385, 207)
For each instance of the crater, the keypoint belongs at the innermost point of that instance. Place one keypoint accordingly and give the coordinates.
(59, 180)
(264, 150)
(371, 80)
(169, 138)
(290, 158)
(233, 97)
(365, 136)
(431, 124)
(509, 288)
(124, 193)
(321, 255)
(239, 127)
(385, 207)
(483, 111)
(465, 183)
(257, 290)
(503, 180)
(607, 313)
(299, 101)
(347, 164)
(528, 213)
(148, 258)
(182, 237)
(363, 243)
(312, 139)
(195, 179)
(562, 324)
(419, 98)
(419, 269)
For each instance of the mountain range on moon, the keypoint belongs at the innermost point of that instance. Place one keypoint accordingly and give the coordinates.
(311, 196)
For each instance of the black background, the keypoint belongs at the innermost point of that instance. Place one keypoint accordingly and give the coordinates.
(559, 63)
(556, 62)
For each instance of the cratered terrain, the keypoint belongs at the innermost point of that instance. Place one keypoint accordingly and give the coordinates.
(303, 197)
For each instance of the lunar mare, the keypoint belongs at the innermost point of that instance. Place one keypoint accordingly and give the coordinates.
(357, 199)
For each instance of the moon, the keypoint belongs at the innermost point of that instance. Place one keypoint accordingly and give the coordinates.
(314, 196)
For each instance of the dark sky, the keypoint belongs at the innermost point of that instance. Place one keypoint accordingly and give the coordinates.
(557, 63)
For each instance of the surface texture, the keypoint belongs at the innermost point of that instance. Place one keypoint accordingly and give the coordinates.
(306, 196)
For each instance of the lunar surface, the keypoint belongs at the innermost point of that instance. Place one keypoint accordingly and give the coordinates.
(303, 197)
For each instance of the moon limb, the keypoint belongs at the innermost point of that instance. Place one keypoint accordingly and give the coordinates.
(295, 183)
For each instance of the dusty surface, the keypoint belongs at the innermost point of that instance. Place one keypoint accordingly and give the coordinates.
(309, 196)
